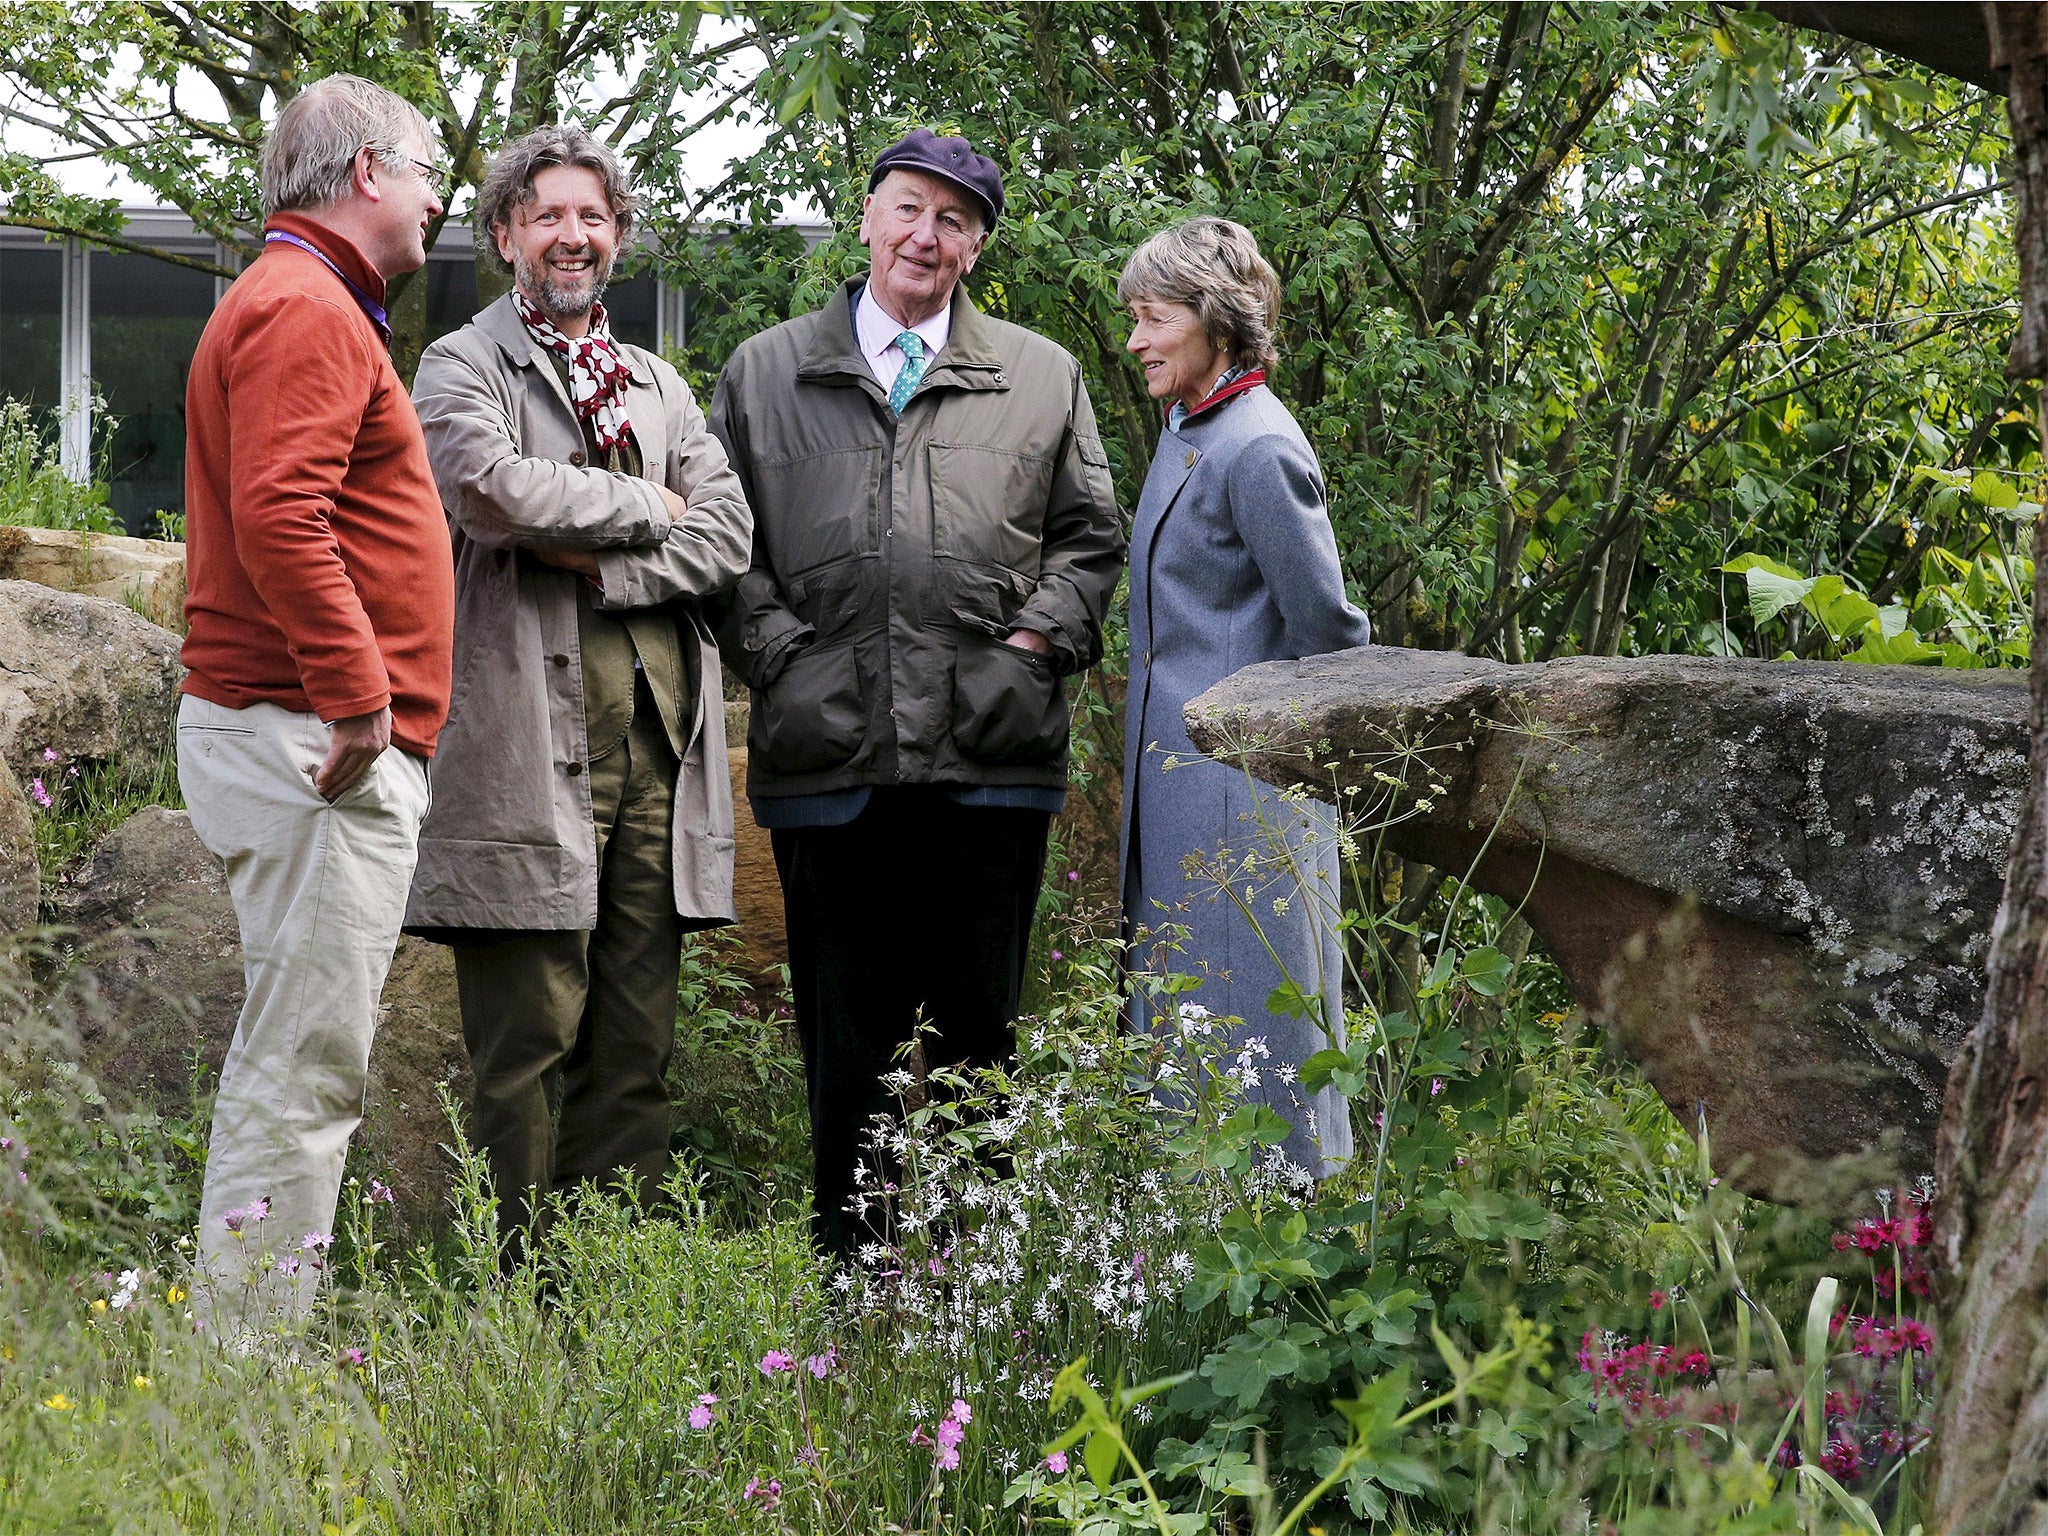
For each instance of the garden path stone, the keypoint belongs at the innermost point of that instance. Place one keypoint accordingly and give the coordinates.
(83, 677)
(159, 954)
(1775, 881)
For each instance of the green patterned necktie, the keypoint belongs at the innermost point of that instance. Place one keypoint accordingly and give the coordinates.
(914, 364)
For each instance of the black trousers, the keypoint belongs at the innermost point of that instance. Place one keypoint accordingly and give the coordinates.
(917, 906)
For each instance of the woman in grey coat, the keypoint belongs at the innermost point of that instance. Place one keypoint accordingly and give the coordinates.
(1232, 562)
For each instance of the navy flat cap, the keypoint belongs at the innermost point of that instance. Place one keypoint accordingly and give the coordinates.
(953, 158)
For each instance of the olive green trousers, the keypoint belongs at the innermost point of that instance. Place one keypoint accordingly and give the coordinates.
(570, 1032)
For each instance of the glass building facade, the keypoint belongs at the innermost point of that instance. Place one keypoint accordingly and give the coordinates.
(79, 326)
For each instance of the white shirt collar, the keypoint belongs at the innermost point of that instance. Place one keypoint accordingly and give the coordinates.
(876, 333)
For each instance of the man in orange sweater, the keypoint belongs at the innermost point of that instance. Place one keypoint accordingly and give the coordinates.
(321, 606)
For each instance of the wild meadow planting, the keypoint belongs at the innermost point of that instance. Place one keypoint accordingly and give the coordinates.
(1097, 1299)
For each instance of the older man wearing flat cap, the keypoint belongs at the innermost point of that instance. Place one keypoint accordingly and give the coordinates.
(936, 541)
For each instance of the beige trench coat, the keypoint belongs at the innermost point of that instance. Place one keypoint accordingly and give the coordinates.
(510, 842)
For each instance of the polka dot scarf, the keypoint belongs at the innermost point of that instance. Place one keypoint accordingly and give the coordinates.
(598, 376)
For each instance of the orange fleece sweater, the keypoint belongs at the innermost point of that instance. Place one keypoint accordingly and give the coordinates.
(318, 570)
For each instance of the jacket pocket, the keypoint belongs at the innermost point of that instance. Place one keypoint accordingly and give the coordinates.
(1008, 706)
(988, 504)
(810, 718)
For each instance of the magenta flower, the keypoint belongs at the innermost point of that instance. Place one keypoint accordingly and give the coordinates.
(775, 1362)
(246, 1215)
(823, 1365)
(1056, 1463)
(288, 1265)
(769, 1493)
(49, 754)
(947, 1459)
(380, 1193)
(37, 793)
(352, 1357)
(700, 1415)
(317, 1242)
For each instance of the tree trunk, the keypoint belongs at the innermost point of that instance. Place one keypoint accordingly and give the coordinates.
(1990, 1474)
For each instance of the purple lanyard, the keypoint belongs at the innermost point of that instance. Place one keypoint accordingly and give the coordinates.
(369, 306)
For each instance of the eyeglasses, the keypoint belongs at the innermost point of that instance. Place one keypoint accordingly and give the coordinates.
(435, 178)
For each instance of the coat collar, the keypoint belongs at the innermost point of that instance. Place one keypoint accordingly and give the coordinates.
(500, 321)
(339, 249)
(970, 360)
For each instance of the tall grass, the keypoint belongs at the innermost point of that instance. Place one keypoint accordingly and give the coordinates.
(34, 490)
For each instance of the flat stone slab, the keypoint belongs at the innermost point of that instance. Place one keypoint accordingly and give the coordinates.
(1774, 880)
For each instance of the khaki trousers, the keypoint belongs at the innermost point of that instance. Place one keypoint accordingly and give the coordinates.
(570, 1032)
(319, 892)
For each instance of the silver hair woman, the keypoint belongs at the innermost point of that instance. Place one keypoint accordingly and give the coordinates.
(1233, 561)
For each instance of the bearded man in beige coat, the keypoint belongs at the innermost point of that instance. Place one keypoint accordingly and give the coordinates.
(582, 817)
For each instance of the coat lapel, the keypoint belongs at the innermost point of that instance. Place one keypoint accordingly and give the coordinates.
(1171, 466)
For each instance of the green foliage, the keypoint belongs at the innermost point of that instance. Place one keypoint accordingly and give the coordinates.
(34, 490)
(1593, 306)
(77, 804)
(737, 1083)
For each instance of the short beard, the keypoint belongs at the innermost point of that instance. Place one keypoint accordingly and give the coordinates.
(535, 282)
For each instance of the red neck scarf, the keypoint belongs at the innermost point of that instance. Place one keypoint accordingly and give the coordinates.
(598, 376)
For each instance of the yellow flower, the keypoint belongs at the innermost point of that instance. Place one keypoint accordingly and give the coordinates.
(174, 1295)
(57, 1402)
(99, 1304)
(142, 1383)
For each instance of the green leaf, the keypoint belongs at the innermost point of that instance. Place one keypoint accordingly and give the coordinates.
(1845, 613)
(1771, 593)
(1101, 1457)
(1906, 649)
(1753, 562)
(1290, 1002)
(1486, 971)
(1992, 490)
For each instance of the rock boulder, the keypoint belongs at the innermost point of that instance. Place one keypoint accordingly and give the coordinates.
(1775, 880)
(84, 677)
(147, 575)
(156, 939)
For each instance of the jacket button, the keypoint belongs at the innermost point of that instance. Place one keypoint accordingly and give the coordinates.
(576, 459)
(575, 769)
(561, 659)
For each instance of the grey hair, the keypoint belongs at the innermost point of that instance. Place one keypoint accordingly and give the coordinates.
(1214, 267)
(309, 155)
(509, 182)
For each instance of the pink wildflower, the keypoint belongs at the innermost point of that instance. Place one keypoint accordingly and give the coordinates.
(947, 1459)
(352, 1357)
(317, 1242)
(700, 1413)
(1657, 1300)
(49, 754)
(246, 1215)
(769, 1493)
(823, 1365)
(1056, 1463)
(775, 1362)
(37, 793)
(380, 1193)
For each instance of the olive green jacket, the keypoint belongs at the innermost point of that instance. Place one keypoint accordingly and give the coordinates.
(509, 841)
(891, 556)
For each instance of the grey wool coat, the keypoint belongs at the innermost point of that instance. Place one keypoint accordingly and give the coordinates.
(510, 841)
(1233, 562)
